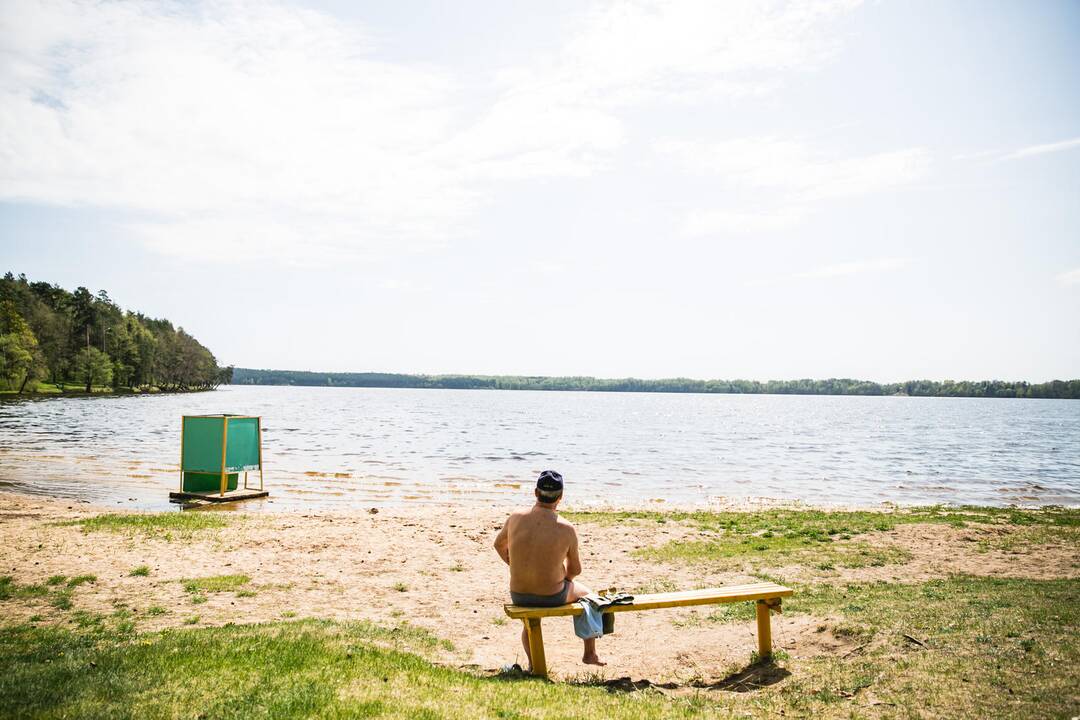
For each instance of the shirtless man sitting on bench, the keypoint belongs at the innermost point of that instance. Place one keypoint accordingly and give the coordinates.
(542, 551)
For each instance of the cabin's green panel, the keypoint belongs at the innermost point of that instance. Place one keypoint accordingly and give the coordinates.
(202, 444)
(243, 446)
(208, 482)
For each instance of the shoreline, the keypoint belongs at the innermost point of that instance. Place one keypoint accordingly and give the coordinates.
(272, 506)
(116, 392)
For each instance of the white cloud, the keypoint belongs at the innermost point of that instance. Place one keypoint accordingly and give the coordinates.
(242, 129)
(627, 52)
(858, 267)
(563, 114)
(239, 130)
(832, 271)
(1033, 150)
(1070, 277)
(797, 177)
(1021, 153)
(713, 222)
(793, 167)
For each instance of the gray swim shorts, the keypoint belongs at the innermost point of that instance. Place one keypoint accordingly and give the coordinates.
(530, 600)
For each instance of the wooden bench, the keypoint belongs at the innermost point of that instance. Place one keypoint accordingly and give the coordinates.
(766, 595)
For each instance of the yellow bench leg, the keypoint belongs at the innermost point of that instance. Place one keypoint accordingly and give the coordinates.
(764, 631)
(536, 647)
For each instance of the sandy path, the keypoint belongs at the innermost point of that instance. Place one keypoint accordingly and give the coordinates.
(436, 569)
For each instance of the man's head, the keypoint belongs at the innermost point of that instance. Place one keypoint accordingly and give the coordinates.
(549, 487)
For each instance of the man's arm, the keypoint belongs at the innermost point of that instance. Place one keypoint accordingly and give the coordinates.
(573, 560)
(502, 542)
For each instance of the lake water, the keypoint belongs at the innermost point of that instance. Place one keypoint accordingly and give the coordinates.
(363, 447)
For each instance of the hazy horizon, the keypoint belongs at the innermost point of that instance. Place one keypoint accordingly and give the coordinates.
(884, 191)
(658, 377)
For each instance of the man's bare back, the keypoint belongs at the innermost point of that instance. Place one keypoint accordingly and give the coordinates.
(541, 549)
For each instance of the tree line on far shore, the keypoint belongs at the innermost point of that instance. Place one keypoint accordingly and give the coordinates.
(1069, 389)
(48, 334)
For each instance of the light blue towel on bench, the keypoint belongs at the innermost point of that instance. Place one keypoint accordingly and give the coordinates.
(590, 623)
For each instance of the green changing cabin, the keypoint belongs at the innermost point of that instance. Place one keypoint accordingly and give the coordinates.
(215, 449)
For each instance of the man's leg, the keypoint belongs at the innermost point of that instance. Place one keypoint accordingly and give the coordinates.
(525, 644)
(589, 657)
(576, 592)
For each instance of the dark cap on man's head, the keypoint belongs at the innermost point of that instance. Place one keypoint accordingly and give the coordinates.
(549, 484)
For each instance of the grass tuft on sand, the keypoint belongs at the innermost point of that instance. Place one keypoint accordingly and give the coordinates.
(216, 583)
(9, 589)
(162, 526)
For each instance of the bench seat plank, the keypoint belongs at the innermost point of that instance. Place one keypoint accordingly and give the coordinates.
(686, 598)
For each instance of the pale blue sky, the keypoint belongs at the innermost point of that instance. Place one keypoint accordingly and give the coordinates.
(884, 190)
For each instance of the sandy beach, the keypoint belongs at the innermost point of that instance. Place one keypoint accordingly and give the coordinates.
(434, 568)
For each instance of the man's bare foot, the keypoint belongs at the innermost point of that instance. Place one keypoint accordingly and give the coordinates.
(593, 659)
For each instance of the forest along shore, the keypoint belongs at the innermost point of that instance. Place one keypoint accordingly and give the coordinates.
(52, 340)
(884, 600)
(1059, 389)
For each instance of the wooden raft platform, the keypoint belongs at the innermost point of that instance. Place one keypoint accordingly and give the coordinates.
(767, 596)
(231, 496)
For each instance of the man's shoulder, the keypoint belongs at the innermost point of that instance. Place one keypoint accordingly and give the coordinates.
(564, 523)
(517, 513)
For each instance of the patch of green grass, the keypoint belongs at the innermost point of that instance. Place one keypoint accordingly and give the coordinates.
(990, 648)
(655, 586)
(1008, 646)
(246, 593)
(140, 571)
(1025, 537)
(304, 669)
(740, 612)
(814, 523)
(216, 583)
(692, 619)
(164, 526)
(61, 600)
(198, 599)
(777, 656)
(57, 589)
(732, 612)
(9, 589)
(401, 587)
(193, 620)
(156, 610)
(762, 552)
(75, 389)
(87, 619)
(825, 537)
(288, 614)
(457, 567)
